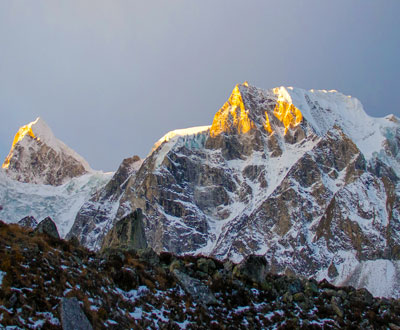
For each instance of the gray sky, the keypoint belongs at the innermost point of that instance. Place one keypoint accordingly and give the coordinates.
(111, 77)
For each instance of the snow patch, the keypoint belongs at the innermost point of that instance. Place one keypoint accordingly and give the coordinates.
(2, 274)
(61, 203)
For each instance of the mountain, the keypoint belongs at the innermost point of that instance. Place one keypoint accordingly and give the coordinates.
(305, 178)
(43, 177)
(37, 156)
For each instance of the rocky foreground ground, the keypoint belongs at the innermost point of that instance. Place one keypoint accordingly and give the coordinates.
(48, 283)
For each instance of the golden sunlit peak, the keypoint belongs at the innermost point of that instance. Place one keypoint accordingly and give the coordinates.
(233, 114)
(285, 111)
(22, 132)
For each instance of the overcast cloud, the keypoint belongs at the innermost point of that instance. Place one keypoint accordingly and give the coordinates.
(111, 77)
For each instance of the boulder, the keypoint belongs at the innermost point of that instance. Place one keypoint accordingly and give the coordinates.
(253, 268)
(199, 292)
(149, 256)
(206, 265)
(72, 316)
(28, 222)
(74, 241)
(48, 227)
(127, 234)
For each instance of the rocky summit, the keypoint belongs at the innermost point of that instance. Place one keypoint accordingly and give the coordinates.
(37, 156)
(304, 178)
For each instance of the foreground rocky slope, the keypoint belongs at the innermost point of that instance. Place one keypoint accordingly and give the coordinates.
(305, 178)
(140, 289)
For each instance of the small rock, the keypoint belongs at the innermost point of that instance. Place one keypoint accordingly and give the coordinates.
(324, 284)
(342, 294)
(287, 297)
(335, 302)
(176, 264)
(206, 265)
(299, 296)
(361, 296)
(13, 299)
(201, 274)
(228, 266)
(72, 316)
(332, 271)
(330, 292)
(311, 288)
(295, 286)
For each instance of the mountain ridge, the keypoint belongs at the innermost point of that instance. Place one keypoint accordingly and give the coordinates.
(276, 174)
(305, 178)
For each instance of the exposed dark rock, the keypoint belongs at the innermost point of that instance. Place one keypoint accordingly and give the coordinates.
(336, 303)
(200, 292)
(332, 271)
(206, 265)
(127, 234)
(28, 222)
(47, 226)
(253, 268)
(148, 255)
(72, 316)
(74, 240)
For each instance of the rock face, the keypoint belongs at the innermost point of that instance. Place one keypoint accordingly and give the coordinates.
(48, 227)
(96, 217)
(28, 222)
(72, 317)
(127, 234)
(37, 156)
(305, 178)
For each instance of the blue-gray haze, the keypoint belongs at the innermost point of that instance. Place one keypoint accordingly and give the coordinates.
(111, 77)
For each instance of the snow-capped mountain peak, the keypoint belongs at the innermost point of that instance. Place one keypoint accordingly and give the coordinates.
(281, 109)
(37, 156)
(305, 178)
